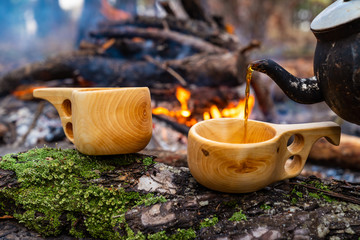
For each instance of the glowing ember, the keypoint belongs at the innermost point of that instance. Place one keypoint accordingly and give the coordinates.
(215, 112)
(184, 115)
(183, 96)
(206, 116)
(238, 111)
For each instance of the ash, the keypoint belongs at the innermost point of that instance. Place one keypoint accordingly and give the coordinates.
(25, 125)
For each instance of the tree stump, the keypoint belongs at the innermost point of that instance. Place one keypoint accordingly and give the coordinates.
(64, 193)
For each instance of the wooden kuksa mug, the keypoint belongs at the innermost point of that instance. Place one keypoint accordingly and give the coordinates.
(219, 158)
(103, 121)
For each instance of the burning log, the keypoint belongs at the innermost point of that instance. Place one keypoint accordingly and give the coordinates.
(176, 126)
(118, 55)
(130, 195)
(115, 56)
(100, 70)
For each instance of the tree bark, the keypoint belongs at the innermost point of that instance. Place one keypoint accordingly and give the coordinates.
(297, 208)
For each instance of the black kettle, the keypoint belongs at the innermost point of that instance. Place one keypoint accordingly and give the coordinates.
(336, 63)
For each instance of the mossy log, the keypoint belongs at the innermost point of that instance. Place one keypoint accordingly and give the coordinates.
(62, 192)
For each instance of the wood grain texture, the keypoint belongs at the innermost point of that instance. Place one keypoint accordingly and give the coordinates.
(103, 121)
(219, 158)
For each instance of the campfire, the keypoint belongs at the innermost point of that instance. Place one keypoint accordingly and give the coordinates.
(194, 66)
(193, 58)
(186, 116)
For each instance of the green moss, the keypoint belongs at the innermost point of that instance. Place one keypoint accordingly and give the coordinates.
(150, 199)
(52, 193)
(297, 195)
(232, 203)
(181, 234)
(148, 161)
(209, 222)
(265, 207)
(73, 221)
(238, 216)
(319, 185)
(314, 195)
(294, 200)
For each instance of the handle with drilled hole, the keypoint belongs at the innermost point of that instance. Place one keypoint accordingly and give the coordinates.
(305, 135)
(61, 99)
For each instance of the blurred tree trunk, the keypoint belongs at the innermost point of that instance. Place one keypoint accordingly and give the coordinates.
(253, 18)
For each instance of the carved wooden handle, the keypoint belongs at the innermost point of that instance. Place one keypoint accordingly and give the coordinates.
(304, 136)
(60, 98)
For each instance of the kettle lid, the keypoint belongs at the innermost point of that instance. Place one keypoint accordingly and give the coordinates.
(337, 14)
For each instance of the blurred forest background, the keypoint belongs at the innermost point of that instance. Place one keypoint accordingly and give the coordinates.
(283, 27)
(32, 30)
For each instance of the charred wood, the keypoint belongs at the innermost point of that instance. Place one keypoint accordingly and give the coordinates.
(160, 35)
(101, 70)
(180, 79)
(190, 27)
(185, 26)
(220, 68)
(195, 10)
(167, 8)
(173, 124)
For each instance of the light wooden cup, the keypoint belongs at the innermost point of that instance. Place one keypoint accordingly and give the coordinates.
(103, 121)
(219, 158)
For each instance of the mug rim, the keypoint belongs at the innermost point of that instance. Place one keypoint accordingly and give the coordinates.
(231, 145)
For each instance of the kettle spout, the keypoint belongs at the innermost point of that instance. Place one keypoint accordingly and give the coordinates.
(301, 90)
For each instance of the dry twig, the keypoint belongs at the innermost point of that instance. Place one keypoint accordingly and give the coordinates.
(166, 68)
(38, 112)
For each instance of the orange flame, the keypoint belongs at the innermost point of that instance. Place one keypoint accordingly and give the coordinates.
(183, 96)
(184, 115)
(25, 92)
(230, 28)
